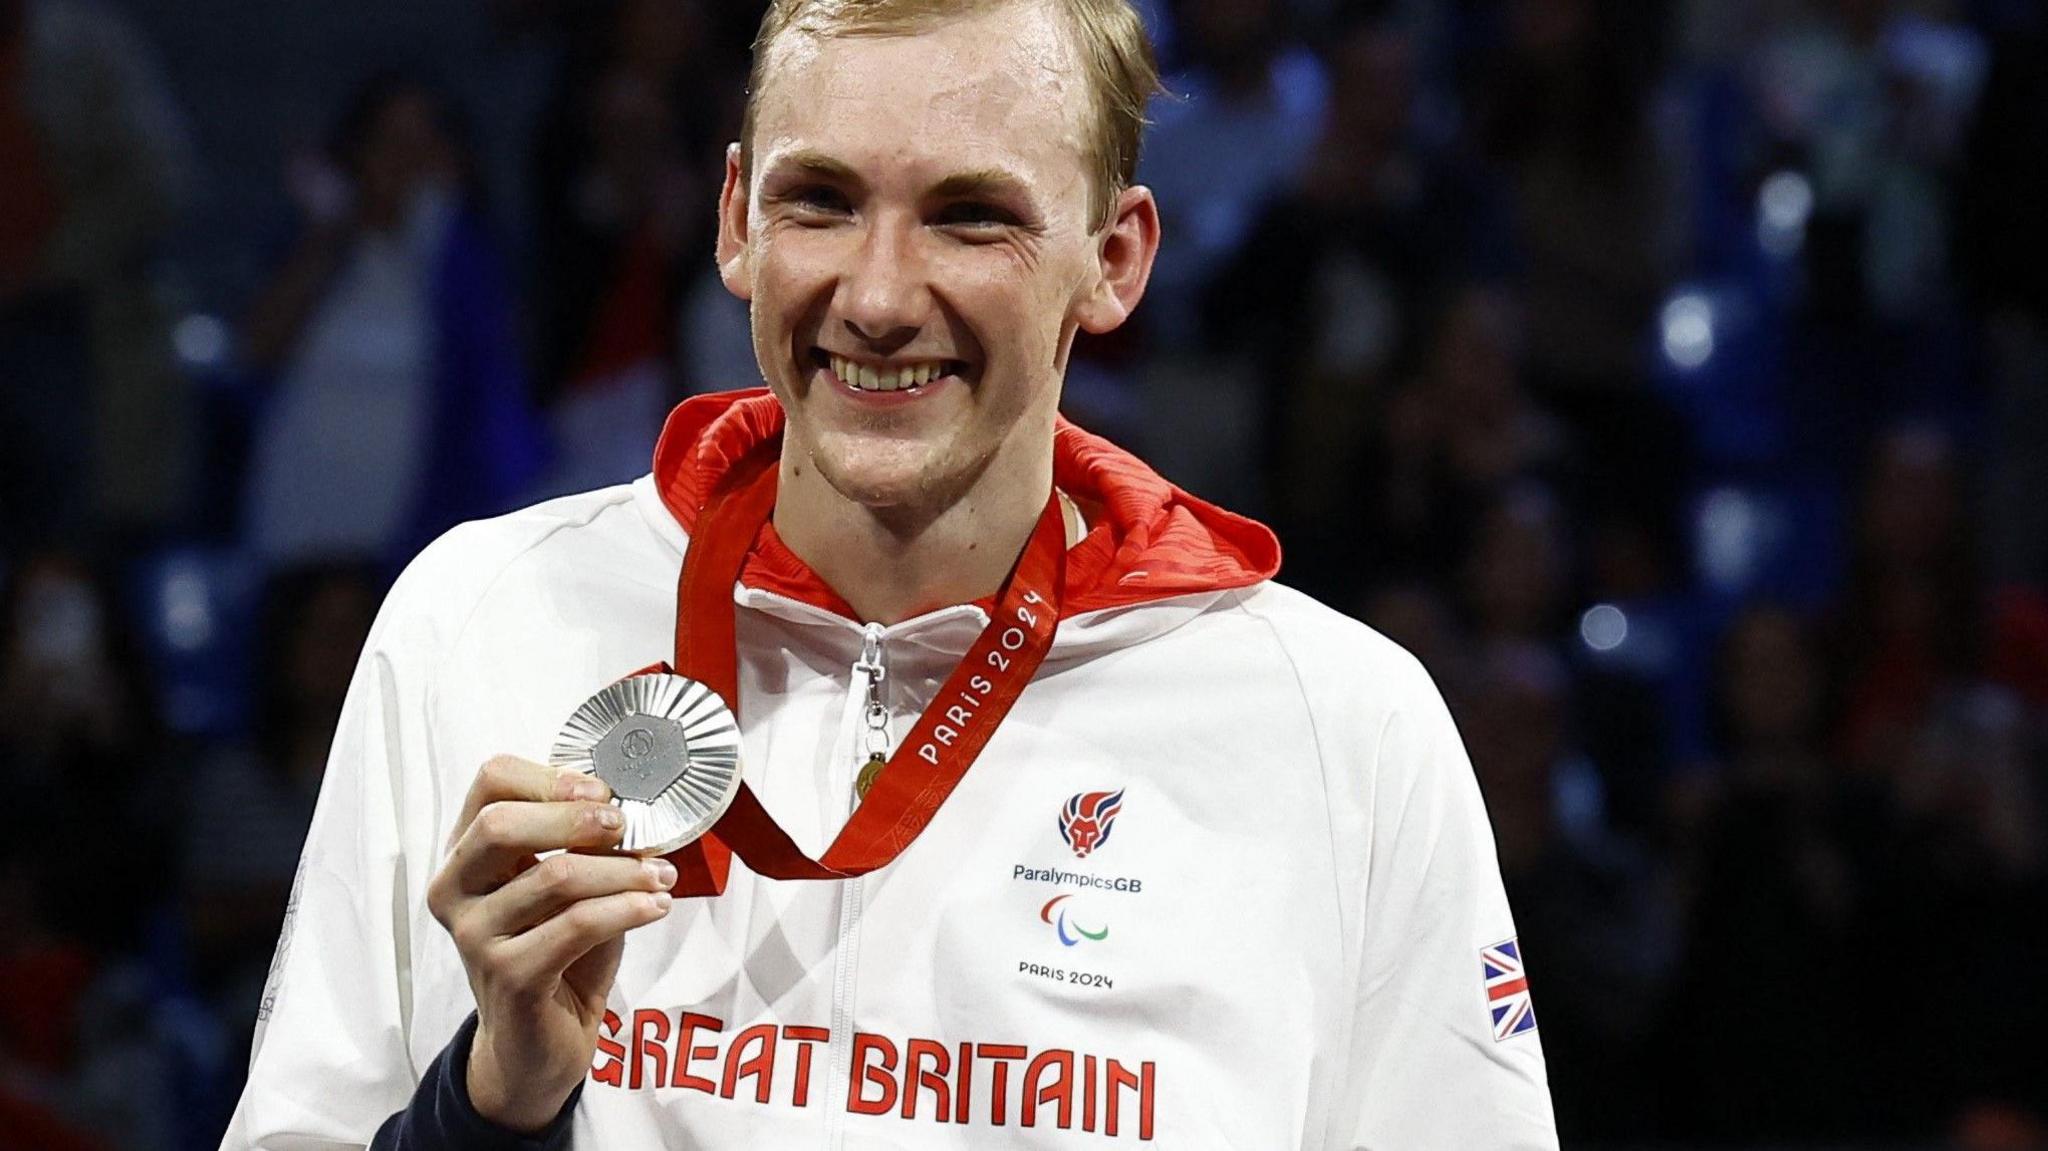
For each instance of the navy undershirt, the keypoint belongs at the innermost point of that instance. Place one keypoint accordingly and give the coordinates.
(441, 1117)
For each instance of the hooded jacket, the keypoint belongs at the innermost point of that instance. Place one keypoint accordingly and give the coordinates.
(1221, 879)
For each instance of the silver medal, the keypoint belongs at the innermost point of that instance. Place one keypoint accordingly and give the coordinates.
(668, 748)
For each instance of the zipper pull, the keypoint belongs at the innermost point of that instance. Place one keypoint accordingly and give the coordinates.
(876, 716)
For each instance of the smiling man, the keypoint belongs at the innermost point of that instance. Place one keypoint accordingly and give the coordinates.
(1062, 824)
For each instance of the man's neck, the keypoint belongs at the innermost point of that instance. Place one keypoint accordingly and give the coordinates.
(892, 564)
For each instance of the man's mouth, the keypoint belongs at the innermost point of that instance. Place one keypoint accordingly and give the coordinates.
(899, 376)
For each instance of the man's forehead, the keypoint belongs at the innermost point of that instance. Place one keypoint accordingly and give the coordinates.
(997, 88)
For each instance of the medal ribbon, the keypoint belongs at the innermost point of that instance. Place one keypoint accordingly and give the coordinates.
(929, 762)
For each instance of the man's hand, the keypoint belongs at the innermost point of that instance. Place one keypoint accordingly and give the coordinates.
(540, 939)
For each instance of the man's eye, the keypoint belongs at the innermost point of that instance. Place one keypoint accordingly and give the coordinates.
(818, 198)
(974, 214)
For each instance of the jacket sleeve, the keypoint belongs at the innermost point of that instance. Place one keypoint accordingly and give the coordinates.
(331, 1061)
(441, 1117)
(1426, 1071)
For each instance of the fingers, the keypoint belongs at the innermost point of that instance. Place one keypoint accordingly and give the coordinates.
(517, 809)
(536, 957)
(508, 777)
(505, 834)
(519, 923)
(544, 889)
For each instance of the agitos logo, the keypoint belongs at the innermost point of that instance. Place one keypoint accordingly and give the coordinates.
(1060, 923)
(1086, 820)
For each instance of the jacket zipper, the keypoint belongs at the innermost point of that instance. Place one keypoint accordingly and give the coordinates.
(869, 672)
(873, 751)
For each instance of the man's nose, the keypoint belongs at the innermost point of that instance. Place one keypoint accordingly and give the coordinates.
(885, 297)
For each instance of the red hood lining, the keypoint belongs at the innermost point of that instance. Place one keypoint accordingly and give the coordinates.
(1147, 539)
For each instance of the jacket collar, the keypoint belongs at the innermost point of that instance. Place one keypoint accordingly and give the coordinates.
(1147, 540)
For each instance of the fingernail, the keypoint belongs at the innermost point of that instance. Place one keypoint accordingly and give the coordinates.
(661, 900)
(590, 789)
(662, 872)
(611, 817)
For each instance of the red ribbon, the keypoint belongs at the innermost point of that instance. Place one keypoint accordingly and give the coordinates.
(931, 760)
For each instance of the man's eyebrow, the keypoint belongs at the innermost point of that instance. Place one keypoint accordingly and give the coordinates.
(816, 165)
(983, 182)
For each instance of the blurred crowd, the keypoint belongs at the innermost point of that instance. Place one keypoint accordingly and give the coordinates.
(1671, 376)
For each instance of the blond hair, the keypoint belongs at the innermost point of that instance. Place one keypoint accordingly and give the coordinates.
(1108, 35)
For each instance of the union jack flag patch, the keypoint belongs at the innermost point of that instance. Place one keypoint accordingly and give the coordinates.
(1507, 990)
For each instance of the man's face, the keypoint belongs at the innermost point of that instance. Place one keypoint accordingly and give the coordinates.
(915, 241)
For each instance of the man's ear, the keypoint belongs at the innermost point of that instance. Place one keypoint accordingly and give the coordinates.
(732, 228)
(1124, 255)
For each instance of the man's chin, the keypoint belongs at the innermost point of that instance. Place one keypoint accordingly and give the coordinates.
(879, 476)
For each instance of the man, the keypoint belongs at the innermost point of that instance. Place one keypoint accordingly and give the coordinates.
(1219, 875)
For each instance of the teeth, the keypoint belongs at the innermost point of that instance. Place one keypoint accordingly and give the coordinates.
(871, 379)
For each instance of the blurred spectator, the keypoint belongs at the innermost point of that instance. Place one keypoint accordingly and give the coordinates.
(1918, 615)
(1914, 611)
(1493, 433)
(1564, 111)
(1407, 498)
(315, 620)
(100, 426)
(400, 406)
(1771, 709)
(1238, 131)
(1957, 895)
(1331, 287)
(1778, 1008)
(1873, 97)
(78, 730)
(629, 172)
(1869, 99)
(77, 882)
(1515, 576)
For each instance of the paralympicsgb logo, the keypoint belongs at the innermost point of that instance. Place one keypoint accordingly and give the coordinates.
(1086, 820)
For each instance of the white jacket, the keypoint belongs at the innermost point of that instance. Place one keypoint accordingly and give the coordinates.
(1276, 943)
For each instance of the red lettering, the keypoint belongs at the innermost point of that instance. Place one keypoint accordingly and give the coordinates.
(998, 661)
(960, 715)
(966, 1085)
(999, 1093)
(916, 1080)
(1143, 1081)
(761, 1065)
(1060, 1091)
(643, 1049)
(684, 1052)
(611, 1064)
(1088, 1093)
(882, 1076)
(929, 754)
(1025, 617)
(945, 735)
(981, 685)
(804, 1037)
(1011, 639)
(1145, 1102)
(929, 1066)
